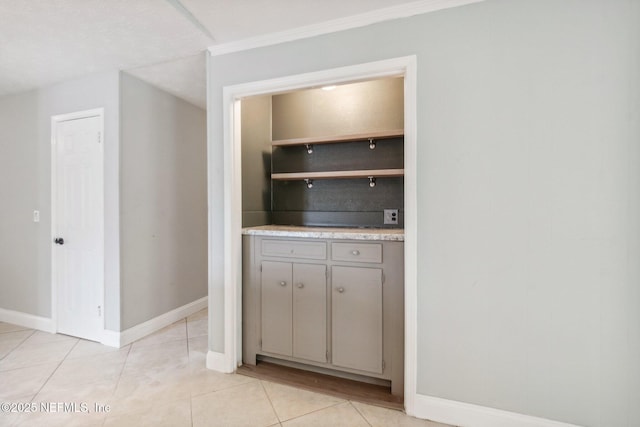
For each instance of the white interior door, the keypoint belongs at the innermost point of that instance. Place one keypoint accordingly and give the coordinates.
(78, 232)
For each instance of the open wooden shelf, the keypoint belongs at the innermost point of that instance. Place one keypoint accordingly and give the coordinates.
(387, 134)
(366, 173)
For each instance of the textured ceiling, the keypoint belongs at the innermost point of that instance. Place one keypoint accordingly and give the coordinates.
(185, 78)
(43, 42)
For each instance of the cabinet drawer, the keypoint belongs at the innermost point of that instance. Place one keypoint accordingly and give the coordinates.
(357, 252)
(294, 249)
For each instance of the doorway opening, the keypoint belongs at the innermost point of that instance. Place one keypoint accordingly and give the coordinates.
(233, 95)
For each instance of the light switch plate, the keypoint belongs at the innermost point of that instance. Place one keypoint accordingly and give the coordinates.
(391, 216)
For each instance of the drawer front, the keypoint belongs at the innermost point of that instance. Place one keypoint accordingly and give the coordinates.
(294, 249)
(357, 252)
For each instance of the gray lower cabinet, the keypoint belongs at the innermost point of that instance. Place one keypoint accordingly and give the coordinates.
(293, 310)
(310, 312)
(277, 308)
(356, 318)
(326, 303)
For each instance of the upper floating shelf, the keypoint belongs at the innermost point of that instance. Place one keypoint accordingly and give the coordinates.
(387, 134)
(376, 173)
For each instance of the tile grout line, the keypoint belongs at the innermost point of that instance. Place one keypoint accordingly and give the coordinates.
(55, 370)
(222, 389)
(121, 371)
(186, 333)
(186, 326)
(33, 331)
(141, 341)
(318, 410)
(361, 414)
(191, 408)
(158, 343)
(115, 388)
(270, 402)
(17, 330)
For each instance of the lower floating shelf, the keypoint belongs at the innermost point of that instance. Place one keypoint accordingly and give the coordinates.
(367, 173)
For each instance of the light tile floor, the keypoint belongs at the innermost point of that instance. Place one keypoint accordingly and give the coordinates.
(160, 380)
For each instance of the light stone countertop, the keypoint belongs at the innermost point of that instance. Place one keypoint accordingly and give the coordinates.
(391, 234)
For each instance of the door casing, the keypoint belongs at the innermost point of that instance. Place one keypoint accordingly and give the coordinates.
(231, 357)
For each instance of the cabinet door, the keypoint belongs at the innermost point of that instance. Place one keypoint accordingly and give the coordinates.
(356, 315)
(310, 312)
(276, 306)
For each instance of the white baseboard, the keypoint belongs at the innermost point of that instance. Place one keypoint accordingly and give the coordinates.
(220, 362)
(110, 338)
(27, 320)
(120, 339)
(468, 415)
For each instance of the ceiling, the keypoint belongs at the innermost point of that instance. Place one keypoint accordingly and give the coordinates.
(43, 42)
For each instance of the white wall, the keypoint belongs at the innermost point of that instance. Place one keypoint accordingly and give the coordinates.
(25, 165)
(528, 198)
(163, 190)
(23, 244)
(163, 202)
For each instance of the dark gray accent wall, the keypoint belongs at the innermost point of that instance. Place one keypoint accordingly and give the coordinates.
(338, 202)
(163, 202)
(388, 154)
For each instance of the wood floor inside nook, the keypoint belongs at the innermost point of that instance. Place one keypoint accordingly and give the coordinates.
(321, 383)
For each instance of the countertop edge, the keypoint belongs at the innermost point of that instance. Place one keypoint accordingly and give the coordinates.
(318, 233)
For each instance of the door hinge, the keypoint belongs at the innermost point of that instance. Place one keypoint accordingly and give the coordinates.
(99, 311)
(260, 268)
(326, 355)
(383, 278)
(99, 137)
(383, 364)
(260, 343)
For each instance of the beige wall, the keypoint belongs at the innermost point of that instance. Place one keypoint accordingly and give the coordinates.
(256, 160)
(352, 108)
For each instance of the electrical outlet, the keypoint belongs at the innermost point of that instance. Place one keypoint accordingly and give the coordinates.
(36, 216)
(391, 216)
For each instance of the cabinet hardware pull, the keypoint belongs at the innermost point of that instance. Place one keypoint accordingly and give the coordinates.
(283, 283)
(341, 289)
(355, 252)
(300, 285)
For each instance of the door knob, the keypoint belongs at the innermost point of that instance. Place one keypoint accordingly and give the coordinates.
(340, 289)
(300, 285)
(58, 241)
(283, 283)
